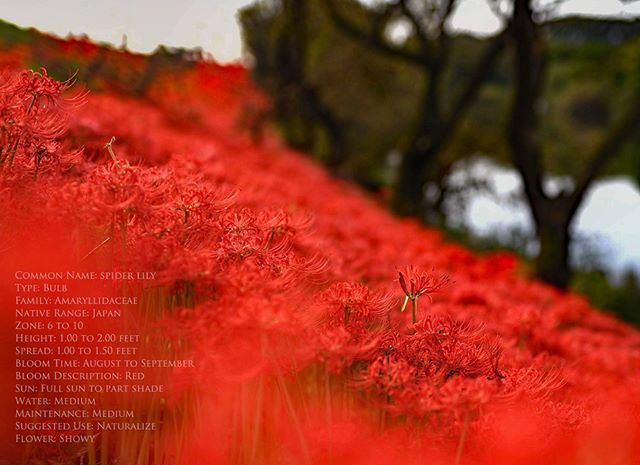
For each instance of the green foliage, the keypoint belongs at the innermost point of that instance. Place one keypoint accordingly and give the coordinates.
(371, 96)
(592, 74)
(621, 299)
(11, 35)
(589, 85)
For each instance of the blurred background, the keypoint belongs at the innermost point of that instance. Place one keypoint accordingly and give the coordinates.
(507, 124)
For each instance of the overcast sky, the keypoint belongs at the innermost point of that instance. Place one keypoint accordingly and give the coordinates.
(210, 24)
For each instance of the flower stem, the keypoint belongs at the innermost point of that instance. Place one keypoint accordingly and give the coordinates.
(463, 437)
(109, 148)
(33, 101)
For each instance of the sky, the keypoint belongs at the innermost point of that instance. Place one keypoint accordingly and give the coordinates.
(211, 24)
(607, 223)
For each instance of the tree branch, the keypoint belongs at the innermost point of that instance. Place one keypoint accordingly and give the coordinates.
(381, 20)
(480, 72)
(448, 10)
(371, 40)
(608, 147)
(444, 40)
(421, 35)
(523, 132)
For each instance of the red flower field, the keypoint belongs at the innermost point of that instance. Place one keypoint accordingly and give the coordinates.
(286, 288)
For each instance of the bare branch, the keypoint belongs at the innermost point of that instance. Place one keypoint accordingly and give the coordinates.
(444, 40)
(448, 10)
(479, 76)
(381, 20)
(607, 148)
(421, 34)
(373, 40)
(496, 7)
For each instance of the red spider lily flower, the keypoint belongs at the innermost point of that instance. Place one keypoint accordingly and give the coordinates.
(415, 283)
(34, 115)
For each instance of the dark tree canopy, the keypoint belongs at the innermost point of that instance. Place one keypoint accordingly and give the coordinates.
(549, 97)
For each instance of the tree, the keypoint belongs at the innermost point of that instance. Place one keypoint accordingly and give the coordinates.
(417, 93)
(427, 49)
(282, 69)
(552, 214)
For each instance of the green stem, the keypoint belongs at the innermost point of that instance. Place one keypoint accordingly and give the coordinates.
(109, 147)
(463, 437)
(13, 151)
(35, 173)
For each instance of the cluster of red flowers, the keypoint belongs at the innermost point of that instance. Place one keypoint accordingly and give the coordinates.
(284, 284)
(33, 117)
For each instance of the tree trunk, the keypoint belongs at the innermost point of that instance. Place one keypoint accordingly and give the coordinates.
(552, 263)
(552, 216)
(408, 195)
(298, 105)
